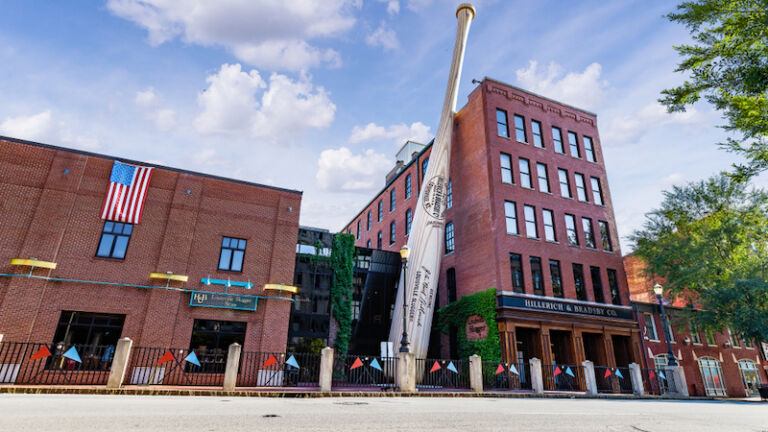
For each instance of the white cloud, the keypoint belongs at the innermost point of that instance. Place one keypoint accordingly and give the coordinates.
(629, 129)
(230, 104)
(33, 127)
(145, 98)
(393, 6)
(398, 133)
(164, 119)
(264, 33)
(583, 90)
(341, 171)
(384, 37)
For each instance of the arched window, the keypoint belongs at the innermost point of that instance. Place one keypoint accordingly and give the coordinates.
(660, 361)
(749, 376)
(712, 375)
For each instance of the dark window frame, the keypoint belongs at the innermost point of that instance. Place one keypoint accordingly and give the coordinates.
(613, 285)
(408, 186)
(573, 145)
(538, 139)
(504, 133)
(392, 199)
(109, 229)
(504, 157)
(238, 249)
(450, 233)
(392, 232)
(537, 275)
(597, 284)
(558, 140)
(578, 281)
(543, 180)
(556, 276)
(551, 225)
(521, 129)
(589, 150)
(408, 221)
(516, 269)
(525, 174)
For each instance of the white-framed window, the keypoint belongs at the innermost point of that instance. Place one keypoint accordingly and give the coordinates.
(749, 376)
(510, 214)
(734, 339)
(506, 168)
(605, 236)
(531, 230)
(589, 235)
(712, 376)
(573, 142)
(502, 128)
(548, 218)
(525, 173)
(565, 184)
(581, 190)
(650, 328)
(570, 229)
(597, 191)
(589, 149)
(536, 129)
(557, 139)
(541, 170)
(520, 129)
(695, 338)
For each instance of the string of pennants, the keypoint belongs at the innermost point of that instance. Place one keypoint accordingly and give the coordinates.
(44, 352)
(652, 374)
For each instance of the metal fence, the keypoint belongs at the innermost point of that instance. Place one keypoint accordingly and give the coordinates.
(176, 366)
(54, 364)
(442, 374)
(613, 379)
(563, 377)
(506, 376)
(265, 369)
(655, 381)
(351, 371)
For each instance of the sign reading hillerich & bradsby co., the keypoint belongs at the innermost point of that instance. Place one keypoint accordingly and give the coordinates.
(548, 305)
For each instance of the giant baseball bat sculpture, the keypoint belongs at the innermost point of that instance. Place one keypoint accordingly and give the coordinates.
(425, 242)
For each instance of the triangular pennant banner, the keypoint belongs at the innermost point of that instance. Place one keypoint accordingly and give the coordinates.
(41, 353)
(513, 369)
(651, 374)
(375, 364)
(568, 371)
(192, 358)
(557, 371)
(270, 361)
(618, 373)
(607, 373)
(499, 369)
(168, 356)
(661, 374)
(73, 355)
(356, 364)
(292, 362)
(452, 368)
(435, 366)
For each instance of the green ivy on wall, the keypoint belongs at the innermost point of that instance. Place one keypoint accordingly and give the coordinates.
(343, 266)
(455, 314)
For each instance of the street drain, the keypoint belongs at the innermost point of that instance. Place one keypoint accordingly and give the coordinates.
(270, 415)
(351, 403)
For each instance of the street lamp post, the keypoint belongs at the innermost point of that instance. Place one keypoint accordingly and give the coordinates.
(404, 252)
(658, 290)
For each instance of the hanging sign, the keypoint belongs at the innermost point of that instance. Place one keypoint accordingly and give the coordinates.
(547, 305)
(223, 301)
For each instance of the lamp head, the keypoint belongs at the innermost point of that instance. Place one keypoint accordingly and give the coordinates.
(658, 289)
(404, 252)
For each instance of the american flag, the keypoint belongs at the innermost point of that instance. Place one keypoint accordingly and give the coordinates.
(126, 193)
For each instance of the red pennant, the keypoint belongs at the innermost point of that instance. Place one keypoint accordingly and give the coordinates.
(270, 361)
(434, 367)
(607, 373)
(558, 371)
(499, 369)
(168, 356)
(356, 364)
(41, 353)
(651, 374)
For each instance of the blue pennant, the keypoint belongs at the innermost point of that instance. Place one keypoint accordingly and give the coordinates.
(375, 364)
(513, 369)
(452, 368)
(661, 374)
(292, 362)
(618, 373)
(73, 355)
(568, 371)
(192, 358)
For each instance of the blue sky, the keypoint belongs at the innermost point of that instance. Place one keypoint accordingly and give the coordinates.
(318, 96)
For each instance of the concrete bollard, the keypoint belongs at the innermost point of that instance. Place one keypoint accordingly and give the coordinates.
(119, 363)
(636, 375)
(476, 373)
(537, 380)
(406, 372)
(233, 364)
(678, 387)
(589, 377)
(326, 369)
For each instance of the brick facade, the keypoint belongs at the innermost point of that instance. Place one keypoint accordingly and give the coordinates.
(50, 200)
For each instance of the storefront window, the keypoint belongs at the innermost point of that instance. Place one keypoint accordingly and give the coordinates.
(94, 336)
(749, 376)
(712, 375)
(211, 340)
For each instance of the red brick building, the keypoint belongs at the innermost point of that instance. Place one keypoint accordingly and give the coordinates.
(530, 214)
(208, 228)
(715, 364)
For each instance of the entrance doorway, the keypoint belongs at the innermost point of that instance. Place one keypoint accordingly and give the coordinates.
(528, 346)
(622, 350)
(562, 347)
(594, 348)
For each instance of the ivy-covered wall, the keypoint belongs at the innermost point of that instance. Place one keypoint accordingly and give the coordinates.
(455, 314)
(343, 266)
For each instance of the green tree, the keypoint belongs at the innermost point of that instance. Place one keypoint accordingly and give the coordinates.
(727, 65)
(709, 242)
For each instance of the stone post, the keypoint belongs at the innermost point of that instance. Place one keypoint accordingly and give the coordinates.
(406, 372)
(678, 387)
(589, 377)
(637, 379)
(1, 338)
(233, 364)
(537, 380)
(326, 369)
(119, 363)
(476, 373)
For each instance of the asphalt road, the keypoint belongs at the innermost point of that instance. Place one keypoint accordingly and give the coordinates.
(107, 413)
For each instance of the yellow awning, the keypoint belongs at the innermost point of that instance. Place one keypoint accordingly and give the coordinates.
(169, 276)
(33, 263)
(281, 287)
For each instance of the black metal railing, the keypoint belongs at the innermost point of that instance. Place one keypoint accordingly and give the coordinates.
(506, 376)
(351, 371)
(266, 369)
(54, 364)
(613, 379)
(176, 367)
(442, 374)
(655, 381)
(563, 377)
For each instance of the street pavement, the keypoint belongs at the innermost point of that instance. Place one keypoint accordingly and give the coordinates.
(107, 413)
